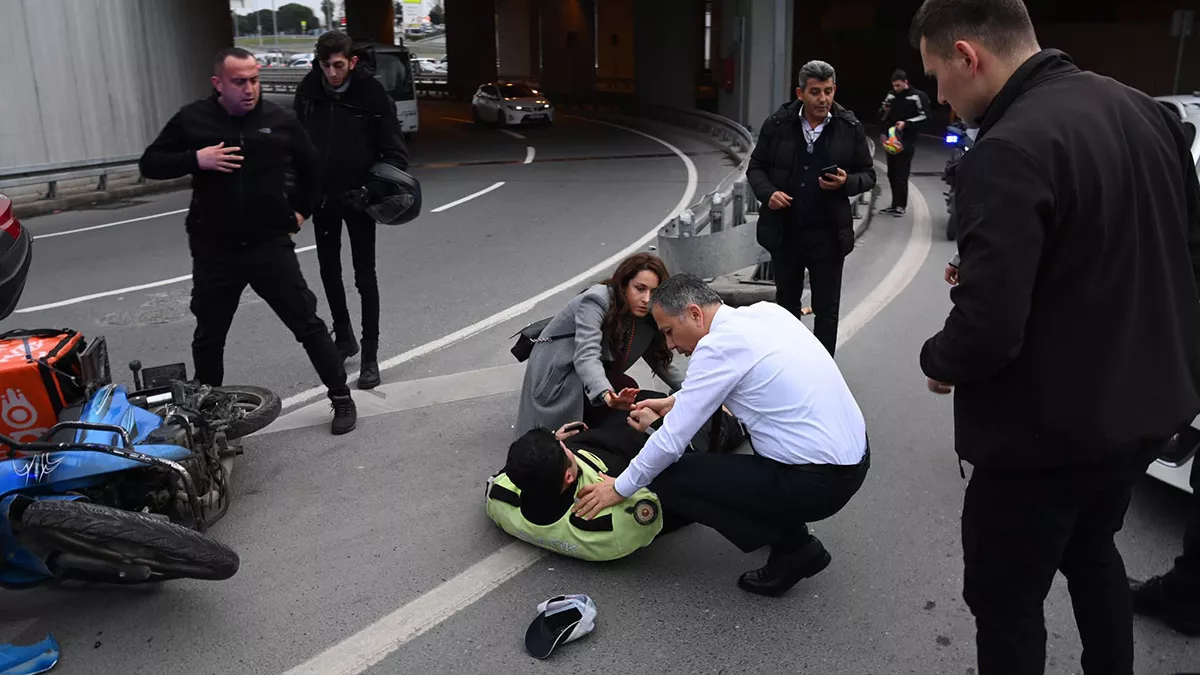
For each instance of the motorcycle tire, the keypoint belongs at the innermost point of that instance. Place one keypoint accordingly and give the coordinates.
(262, 407)
(103, 533)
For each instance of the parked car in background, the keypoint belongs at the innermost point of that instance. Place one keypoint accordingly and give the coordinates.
(508, 103)
(1171, 469)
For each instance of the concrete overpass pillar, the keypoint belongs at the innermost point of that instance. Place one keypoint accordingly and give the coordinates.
(517, 39)
(470, 45)
(667, 39)
(569, 47)
(767, 71)
(615, 46)
(371, 20)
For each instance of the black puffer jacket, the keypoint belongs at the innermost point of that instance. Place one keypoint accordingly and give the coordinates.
(774, 160)
(351, 130)
(253, 203)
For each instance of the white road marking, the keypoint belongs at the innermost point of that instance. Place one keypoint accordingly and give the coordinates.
(106, 225)
(458, 119)
(513, 134)
(522, 307)
(119, 291)
(468, 198)
(529, 154)
(375, 642)
(371, 645)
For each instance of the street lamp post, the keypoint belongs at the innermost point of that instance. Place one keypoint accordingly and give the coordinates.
(275, 23)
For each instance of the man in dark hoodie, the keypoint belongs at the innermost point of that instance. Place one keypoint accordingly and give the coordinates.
(811, 158)
(353, 124)
(1079, 195)
(242, 153)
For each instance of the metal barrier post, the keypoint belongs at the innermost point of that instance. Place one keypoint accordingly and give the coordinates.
(102, 184)
(687, 224)
(739, 203)
(52, 189)
(716, 218)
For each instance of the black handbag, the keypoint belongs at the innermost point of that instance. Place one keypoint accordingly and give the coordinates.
(527, 337)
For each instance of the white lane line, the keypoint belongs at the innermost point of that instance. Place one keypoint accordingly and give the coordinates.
(522, 307)
(911, 260)
(101, 227)
(468, 198)
(458, 119)
(119, 291)
(374, 643)
(371, 645)
(529, 154)
(513, 134)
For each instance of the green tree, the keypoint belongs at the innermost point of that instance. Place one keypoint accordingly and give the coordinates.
(290, 16)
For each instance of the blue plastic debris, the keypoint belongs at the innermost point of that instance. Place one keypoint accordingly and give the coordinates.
(29, 660)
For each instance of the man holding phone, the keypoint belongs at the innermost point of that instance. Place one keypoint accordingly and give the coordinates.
(812, 157)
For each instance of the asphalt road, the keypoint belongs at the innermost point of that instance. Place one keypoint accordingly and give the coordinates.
(371, 552)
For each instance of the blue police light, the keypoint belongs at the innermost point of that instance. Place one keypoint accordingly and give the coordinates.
(951, 139)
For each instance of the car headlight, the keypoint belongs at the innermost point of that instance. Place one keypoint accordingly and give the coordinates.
(516, 107)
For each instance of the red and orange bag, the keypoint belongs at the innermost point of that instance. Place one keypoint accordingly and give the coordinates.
(40, 374)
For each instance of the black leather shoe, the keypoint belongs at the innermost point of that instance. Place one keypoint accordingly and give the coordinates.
(1152, 598)
(345, 415)
(345, 342)
(784, 570)
(368, 375)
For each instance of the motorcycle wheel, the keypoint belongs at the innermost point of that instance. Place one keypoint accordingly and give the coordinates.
(261, 406)
(111, 535)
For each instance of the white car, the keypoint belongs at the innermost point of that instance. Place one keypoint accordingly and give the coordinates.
(510, 103)
(1173, 472)
(303, 62)
(429, 66)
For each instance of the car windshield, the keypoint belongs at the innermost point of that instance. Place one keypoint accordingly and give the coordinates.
(516, 91)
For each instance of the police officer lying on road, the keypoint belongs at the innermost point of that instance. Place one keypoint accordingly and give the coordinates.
(808, 434)
(238, 149)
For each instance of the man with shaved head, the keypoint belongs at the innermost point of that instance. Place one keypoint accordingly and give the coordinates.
(254, 174)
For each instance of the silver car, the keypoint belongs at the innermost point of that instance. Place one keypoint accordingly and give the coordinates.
(1171, 470)
(509, 103)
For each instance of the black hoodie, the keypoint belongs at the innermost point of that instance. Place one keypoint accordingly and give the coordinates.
(251, 204)
(1075, 331)
(772, 168)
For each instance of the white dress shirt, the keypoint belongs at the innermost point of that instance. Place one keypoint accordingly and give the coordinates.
(777, 378)
(811, 133)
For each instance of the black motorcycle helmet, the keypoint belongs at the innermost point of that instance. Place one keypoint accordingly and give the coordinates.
(391, 196)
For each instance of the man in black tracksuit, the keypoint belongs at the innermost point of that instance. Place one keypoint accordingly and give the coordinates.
(254, 175)
(1078, 196)
(905, 108)
(811, 158)
(353, 124)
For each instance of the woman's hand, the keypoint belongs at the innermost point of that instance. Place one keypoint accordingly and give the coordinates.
(623, 401)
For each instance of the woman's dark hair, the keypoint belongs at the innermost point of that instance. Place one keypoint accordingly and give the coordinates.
(618, 311)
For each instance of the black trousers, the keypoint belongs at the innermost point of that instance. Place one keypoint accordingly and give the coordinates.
(898, 168)
(218, 279)
(327, 223)
(1184, 578)
(754, 501)
(1022, 526)
(825, 278)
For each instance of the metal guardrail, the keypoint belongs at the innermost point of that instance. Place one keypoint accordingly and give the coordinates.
(53, 173)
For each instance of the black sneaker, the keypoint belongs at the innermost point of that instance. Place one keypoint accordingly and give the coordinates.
(345, 414)
(345, 342)
(1152, 598)
(897, 211)
(368, 375)
(890, 209)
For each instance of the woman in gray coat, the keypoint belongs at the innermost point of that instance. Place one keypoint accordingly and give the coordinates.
(581, 377)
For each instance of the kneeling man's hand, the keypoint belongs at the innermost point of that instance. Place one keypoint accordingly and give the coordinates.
(643, 419)
(596, 497)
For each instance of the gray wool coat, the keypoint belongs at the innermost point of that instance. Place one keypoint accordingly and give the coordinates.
(563, 376)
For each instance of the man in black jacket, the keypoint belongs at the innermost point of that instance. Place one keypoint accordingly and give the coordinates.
(238, 149)
(811, 158)
(906, 109)
(353, 124)
(1079, 195)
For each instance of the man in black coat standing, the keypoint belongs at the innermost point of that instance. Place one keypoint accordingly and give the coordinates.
(1079, 196)
(352, 121)
(811, 158)
(907, 109)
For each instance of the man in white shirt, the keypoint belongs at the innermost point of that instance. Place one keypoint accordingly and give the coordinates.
(809, 437)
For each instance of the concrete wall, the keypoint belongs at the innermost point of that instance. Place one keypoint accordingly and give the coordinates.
(615, 41)
(569, 47)
(470, 44)
(98, 79)
(516, 39)
(371, 19)
(770, 71)
(665, 46)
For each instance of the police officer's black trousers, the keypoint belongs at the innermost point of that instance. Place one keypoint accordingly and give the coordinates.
(898, 169)
(1184, 579)
(272, 270)
(1019, 528)
(327, 224)
(754, 501)
(825, 279)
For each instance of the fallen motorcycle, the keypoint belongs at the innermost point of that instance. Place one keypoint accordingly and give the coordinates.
(122, 488)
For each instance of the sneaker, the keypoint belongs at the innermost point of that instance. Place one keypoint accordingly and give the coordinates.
(345, 414)
(897, 211)
(368, 375)
(345, 342)
(890, 209)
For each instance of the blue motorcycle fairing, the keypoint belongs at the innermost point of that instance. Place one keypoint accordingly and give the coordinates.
(31, 659)
(20, 567)
(110, 405)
